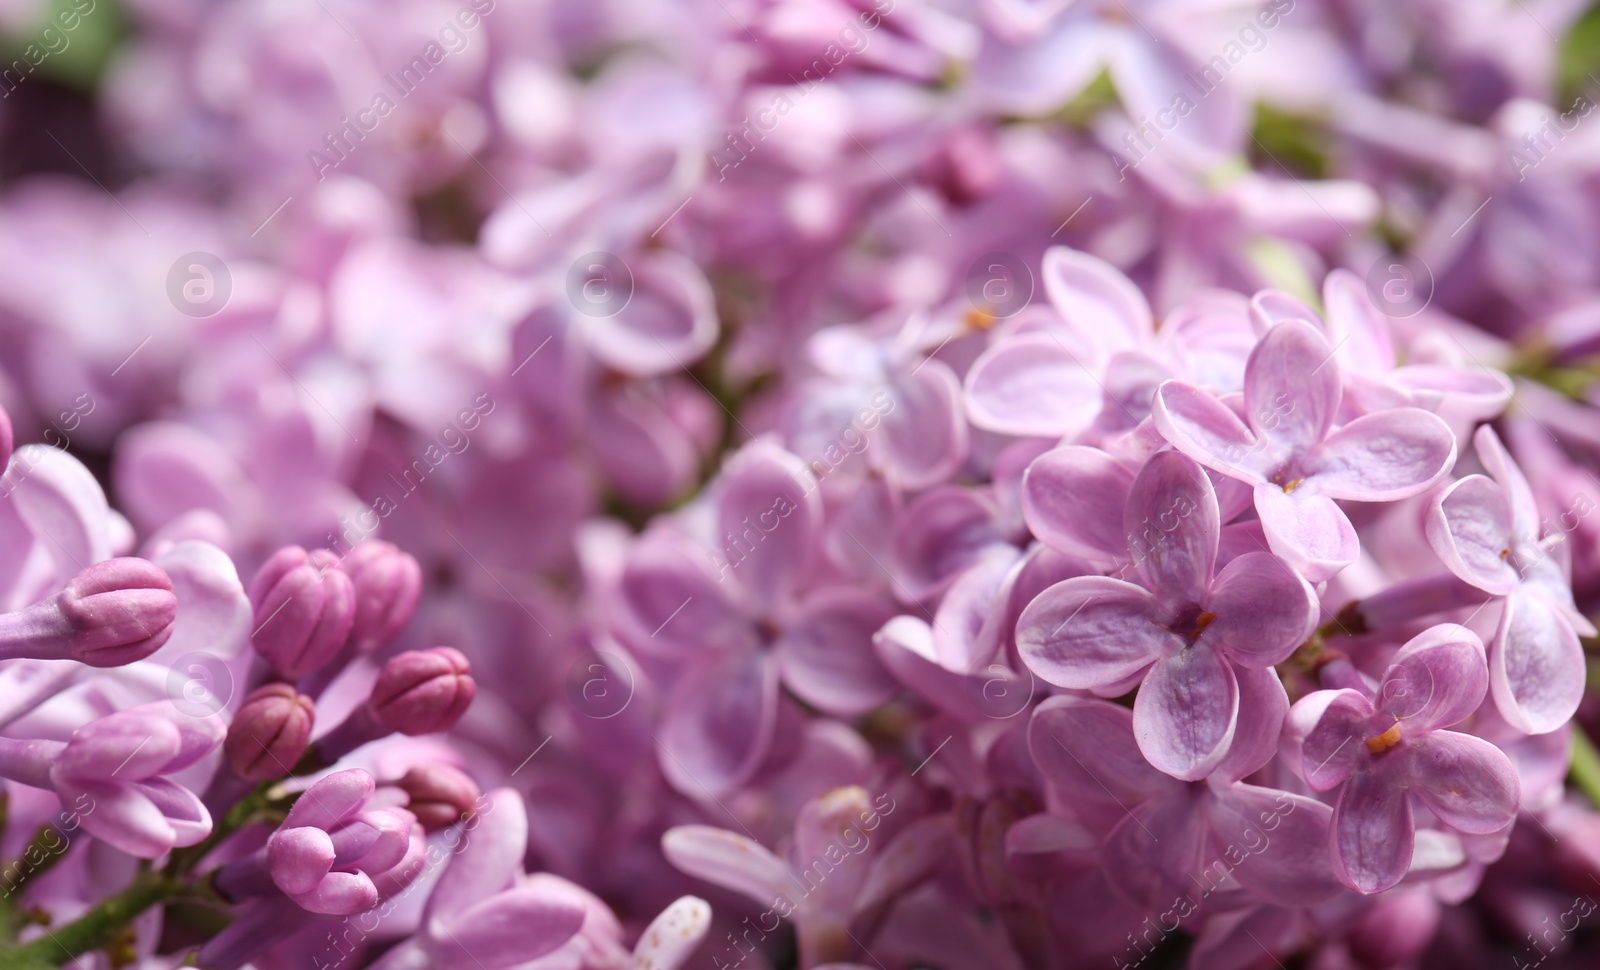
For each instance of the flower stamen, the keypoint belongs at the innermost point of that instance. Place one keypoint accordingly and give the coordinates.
(1378, 744)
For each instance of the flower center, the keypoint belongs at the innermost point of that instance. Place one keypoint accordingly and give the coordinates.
(1380, 743)
(1191, 623)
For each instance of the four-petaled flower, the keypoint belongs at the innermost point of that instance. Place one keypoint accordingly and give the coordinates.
(1386, 746)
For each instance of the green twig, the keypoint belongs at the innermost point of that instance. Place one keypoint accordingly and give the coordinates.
(96, 928)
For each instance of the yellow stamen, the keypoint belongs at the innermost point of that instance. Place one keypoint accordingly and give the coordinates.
(1384, 741)
(1289, 488)
(977, 319)
(1202, 621)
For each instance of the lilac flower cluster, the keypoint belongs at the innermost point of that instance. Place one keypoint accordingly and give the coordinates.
(815, 484)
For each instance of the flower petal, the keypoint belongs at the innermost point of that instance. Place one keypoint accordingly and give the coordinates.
(1437, 679)
(1330, 726)
(331, 799)
(941, 533)
(1280, 841)
(1373, 831)
(1536, 667)
(719, 724)
(1096, 298)
(1466, 781)
(1186, 712)
(1291, 386)
(1355, 325)
(1073, 499)
(1501, 467)
(1086, 750)
(727, 859)
(1384, 457)
(1263, 610)
(924, 430)
(673, 935)
(1308, 530)
(768, 512)
(1171, 520)
(496, 840)
(62, 505)
(826, 657)
(1158, 849)
(507, 929)
(1263, 707)
(1205, 429)
(1032, 384)
(1091, 631)
(125, 818)
(1469, 526)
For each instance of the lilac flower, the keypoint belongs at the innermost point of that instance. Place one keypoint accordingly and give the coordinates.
(1379, 749)
(120, 762)
(1488, 532)
(1284, 446)
(731, 614)
(890, 390)
(1200, 642)
(1374, 380)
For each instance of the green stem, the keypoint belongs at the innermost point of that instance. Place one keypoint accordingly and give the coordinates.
(1584, 773)
(254, 807)
(95, 928)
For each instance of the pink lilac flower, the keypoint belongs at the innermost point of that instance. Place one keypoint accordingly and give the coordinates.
(120, 762)
(1199, 642)
(1281, 441)
(1489, 532)
(1379, 748)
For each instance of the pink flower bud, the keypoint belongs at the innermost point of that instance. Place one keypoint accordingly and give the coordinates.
(270, 733)
(121, 610)
(423, 691)
(113, 613)
(439, 794)
(388, 583)
(304, 608)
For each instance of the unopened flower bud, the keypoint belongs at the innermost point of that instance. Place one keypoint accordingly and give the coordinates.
(304, 608)
(423, 691)
(112, 613)
(439, 794)
(270, 733)
(388, 583)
